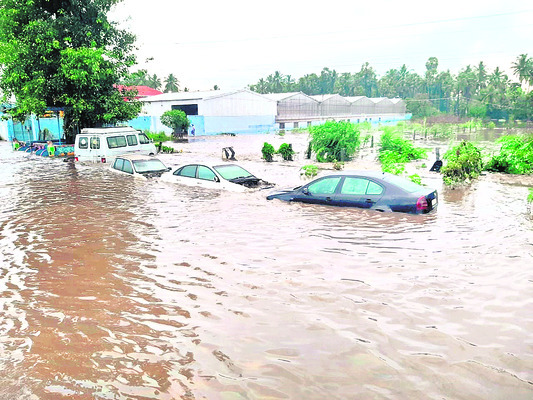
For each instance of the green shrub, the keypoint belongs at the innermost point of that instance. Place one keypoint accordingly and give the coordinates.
(335, 140)
(391, 139)
(286, 151)
(309, 170)
(268, 152)
(158, 137)
(395, 151)
(530, 196)
(515, 155)
(464, 163)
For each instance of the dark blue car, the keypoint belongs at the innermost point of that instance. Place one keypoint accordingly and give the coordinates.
(365, 189)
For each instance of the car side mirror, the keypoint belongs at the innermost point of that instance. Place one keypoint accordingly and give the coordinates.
(169, 168)
(306, 191)
(216, 179)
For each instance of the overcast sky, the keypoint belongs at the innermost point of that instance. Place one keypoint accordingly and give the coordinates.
(234, 43)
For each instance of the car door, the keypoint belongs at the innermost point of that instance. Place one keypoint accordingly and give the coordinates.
(321, 191)
(207, 178)
(359, 192)
(186, 175)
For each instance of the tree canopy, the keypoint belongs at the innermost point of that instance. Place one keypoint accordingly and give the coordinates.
(66, 54)
(474, 91)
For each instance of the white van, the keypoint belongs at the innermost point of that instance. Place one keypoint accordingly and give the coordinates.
(104, 144)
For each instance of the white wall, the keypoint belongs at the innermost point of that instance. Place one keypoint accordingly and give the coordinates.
(238, 104)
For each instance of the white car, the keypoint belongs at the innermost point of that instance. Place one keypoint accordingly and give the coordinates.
(224, 176)
(139, 166)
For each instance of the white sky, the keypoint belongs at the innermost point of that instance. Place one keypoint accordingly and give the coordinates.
(234, 43)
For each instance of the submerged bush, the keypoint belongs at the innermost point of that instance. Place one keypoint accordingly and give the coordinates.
(395, 151)
(158, 137)
(268, 151)
(309, 170)
(515, 156)
(464, 163)
(335, 140)
(286, 151)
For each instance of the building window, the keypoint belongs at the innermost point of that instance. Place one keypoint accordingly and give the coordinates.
(282, 125)
(296, 124)
(309, 123)
(188, 109)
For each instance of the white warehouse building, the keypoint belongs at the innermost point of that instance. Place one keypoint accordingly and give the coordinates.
(243, 111)
(215, 111)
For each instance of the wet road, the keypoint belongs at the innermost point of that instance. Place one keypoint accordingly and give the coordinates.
(114, 288)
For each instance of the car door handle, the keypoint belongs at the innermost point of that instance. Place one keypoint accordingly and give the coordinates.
(370, 201)
(328, 198)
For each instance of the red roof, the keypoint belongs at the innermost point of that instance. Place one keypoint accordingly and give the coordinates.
(143, 91)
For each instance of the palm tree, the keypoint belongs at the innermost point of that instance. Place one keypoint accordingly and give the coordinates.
(172, 84)
(523, 68)
(154, 82)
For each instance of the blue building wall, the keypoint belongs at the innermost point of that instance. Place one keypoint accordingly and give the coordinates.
(32, 129)
(243, 124)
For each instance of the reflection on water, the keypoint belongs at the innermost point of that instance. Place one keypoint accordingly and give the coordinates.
(115, 288)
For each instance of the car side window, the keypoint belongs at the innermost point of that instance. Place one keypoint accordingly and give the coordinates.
(374, 188)
(205, 173)
(132, 140)
(360, 186)
(116, 141)
(188, 171)
(143, 139)
(127, 167)
(119, 164)
(324, 186)
(354, 186)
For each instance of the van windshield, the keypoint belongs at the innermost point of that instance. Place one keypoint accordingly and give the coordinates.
(148, 165)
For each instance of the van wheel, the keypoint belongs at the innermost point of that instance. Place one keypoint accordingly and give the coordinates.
(151, 154)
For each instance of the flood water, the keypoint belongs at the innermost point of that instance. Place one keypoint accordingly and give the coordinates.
(116, 288)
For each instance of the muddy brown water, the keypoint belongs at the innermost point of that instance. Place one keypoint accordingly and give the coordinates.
(114, 288)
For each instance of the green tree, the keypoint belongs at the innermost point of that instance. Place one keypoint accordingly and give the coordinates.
(65, 54)
(172, 84)
(176, 120)
(523, 68)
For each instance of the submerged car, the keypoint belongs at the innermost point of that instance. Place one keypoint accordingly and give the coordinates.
(139, 166)
(364, 189)
(224, 176)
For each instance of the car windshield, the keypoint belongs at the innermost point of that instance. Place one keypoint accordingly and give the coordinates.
(403, 183)
(148, 165)
(229, 172)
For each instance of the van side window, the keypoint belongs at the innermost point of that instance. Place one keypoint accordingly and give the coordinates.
(132, 140)
(95, 142)
(143, 139)
(127, 167)
(116, 141)
(119, 164)
(84, 142)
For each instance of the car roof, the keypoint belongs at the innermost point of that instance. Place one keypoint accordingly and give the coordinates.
(367, 173)
(206, 164)
(134, 157)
